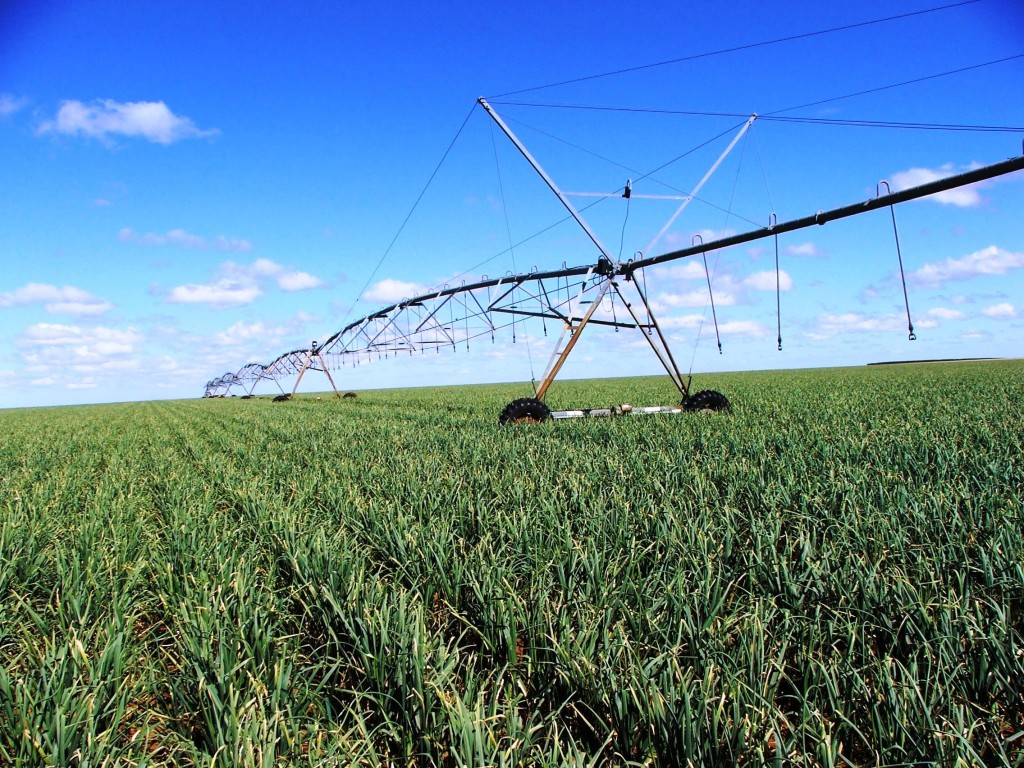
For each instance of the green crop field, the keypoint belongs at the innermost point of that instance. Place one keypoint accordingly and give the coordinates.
(831, 575)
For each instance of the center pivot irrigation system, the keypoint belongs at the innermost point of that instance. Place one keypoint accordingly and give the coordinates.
(570, 296)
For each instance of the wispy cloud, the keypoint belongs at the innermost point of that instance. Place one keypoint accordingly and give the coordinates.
(231, 244)
(150, 120)
(66, 300)
(76, 357)
(741, 328)
(241, 333)
(986, 262)
(10, 104)
(767, 281)
(728, 328)
(687, 270)
(804, 249)
(975, 335)
(944, 313)
(677, 241)
(75, 344)
(829, 325)
(696, 298)
(181, 238)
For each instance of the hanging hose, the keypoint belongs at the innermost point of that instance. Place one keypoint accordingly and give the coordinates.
(643, 276)
(451, 322)
(903, 279)
(778, 288)
(628, 193)
(711, 295)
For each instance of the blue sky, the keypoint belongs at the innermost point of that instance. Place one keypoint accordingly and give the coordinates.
(186, 187)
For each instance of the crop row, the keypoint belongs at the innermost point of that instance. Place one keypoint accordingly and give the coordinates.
(834, 574)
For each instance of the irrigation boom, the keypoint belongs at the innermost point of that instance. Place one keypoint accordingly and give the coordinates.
(605, 293)
(823, 217)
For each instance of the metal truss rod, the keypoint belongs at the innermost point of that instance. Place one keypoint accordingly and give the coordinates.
(696, 190)
(664, 353)
(558, 356)
(547, 179)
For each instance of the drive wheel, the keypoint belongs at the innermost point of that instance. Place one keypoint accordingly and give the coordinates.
(707, 401)
(525, 410)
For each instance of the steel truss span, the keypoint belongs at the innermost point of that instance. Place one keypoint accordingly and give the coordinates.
(607, 293)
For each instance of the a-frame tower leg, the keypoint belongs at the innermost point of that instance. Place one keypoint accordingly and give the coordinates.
(315, 355)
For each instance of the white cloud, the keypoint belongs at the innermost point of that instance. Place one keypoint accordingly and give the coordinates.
(151, 120)
(221, 293)
(388, 291)
(287, 280)
(10, 104)
(1000, 310)
(66, 300)
(78, 357)
(946, 314)
(804, 249)
(680, 321)
(728, 290)
(298, 281)
(963, 197)
(766, 281)
(986, 262)
(241, 284)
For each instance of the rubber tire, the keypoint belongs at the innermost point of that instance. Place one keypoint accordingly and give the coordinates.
(707, 401)
(525, 410)
(282, 398)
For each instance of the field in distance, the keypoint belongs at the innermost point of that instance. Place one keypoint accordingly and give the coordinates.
(833, 574)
